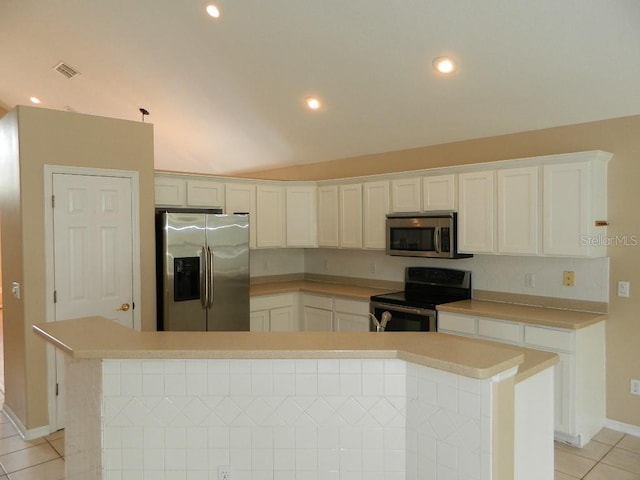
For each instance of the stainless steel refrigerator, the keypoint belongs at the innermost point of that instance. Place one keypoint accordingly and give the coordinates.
(203, 271)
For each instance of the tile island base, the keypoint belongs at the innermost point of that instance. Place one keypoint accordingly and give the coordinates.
(374, 407)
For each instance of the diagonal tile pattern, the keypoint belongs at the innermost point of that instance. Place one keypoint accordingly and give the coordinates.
(610, 455)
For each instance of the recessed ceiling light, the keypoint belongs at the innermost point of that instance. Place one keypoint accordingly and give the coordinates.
(213, 11)
(313, 103)
(35, 100)
(444, 65)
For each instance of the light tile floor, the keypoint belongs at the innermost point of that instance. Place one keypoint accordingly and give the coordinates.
(610, 455)
(41, 459)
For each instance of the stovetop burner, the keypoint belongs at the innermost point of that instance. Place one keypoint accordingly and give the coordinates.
(426, 287)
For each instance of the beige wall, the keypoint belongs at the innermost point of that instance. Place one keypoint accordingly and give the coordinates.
(56, 138)
(619, 136)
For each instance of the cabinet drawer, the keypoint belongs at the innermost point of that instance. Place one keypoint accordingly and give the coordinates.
(548, 338)
(498, 330)
(271, 301)
(325, 303)
(351, 306)
(457, 323)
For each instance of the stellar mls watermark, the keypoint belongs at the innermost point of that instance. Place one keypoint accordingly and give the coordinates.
(609, 241)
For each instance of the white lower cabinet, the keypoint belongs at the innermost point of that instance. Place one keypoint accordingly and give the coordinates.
(317, 313)
(290, 312)
(579, 376)
(499, 330)
(350, 316)
(274, 313)
(259, 321)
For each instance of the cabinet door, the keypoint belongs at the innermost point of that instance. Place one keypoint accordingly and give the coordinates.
(259, 321)
(270, 213)
(328, 217)
(566, 209)
(476, 212)
(439, 192)
(518, 210)
(563, 395)
(171, 192)
(348, 322)
(203, 193)
(317, 319)
(457, 324)
(406, 195)
(350, 231)
(500, 330)
(302, 224)
(241, 198)
(375, 209)
(283, 319)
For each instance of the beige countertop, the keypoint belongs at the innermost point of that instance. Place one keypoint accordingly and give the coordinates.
(320, 288)
(97, 337)
(550, 317)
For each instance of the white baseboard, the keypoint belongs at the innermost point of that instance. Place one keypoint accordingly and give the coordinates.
(24, 433)
(622, 427)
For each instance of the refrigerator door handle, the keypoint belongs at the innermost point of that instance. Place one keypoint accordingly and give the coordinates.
(204, 278)
(210, 277)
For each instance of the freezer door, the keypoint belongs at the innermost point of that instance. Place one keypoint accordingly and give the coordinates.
(228, 244)
(183, 282)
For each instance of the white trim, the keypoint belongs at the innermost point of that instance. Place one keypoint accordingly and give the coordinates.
(622, 427)
(24, 433)
(49, 171)
(499, 377)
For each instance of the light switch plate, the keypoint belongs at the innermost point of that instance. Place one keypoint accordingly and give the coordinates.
(623, 289)
(15, 289)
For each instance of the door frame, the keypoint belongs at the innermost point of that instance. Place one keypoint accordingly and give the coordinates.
(49, 172)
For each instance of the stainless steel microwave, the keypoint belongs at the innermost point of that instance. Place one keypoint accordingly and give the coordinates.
(432, 234)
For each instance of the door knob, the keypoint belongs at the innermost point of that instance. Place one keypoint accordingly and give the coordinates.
(124, 307)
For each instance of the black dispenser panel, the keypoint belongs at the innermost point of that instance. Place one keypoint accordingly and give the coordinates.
(186, 279)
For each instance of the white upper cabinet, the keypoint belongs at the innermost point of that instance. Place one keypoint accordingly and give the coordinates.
(170, 192)
(406, 195)
(518, 211)
(439, 192)
(241, 198)
(301, 220)
(328, 216)
(575, 202)
(375, 208)
(350, 231)
(476, 216)
(205, 193)
(270, 212)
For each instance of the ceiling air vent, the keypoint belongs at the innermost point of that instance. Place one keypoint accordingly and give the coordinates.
(65, 70)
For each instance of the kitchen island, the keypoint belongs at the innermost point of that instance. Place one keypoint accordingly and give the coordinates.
(397, 405)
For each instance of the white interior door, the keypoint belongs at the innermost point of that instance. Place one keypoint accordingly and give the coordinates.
(93, 253)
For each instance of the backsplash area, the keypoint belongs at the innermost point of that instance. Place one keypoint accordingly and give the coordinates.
(494, 273)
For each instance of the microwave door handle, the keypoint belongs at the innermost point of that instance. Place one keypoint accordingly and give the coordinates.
(437, 234)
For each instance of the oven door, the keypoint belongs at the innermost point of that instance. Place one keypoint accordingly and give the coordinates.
(404, 318)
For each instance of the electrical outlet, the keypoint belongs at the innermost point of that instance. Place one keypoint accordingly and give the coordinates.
(635, 387)
(373, 268)
(623, 289)
(224, 472)
(568, 279)
(529, 280)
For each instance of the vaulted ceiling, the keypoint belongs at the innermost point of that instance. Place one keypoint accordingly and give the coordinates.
(227, 95)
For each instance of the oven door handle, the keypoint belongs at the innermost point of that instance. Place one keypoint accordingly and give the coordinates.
(396, 308)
